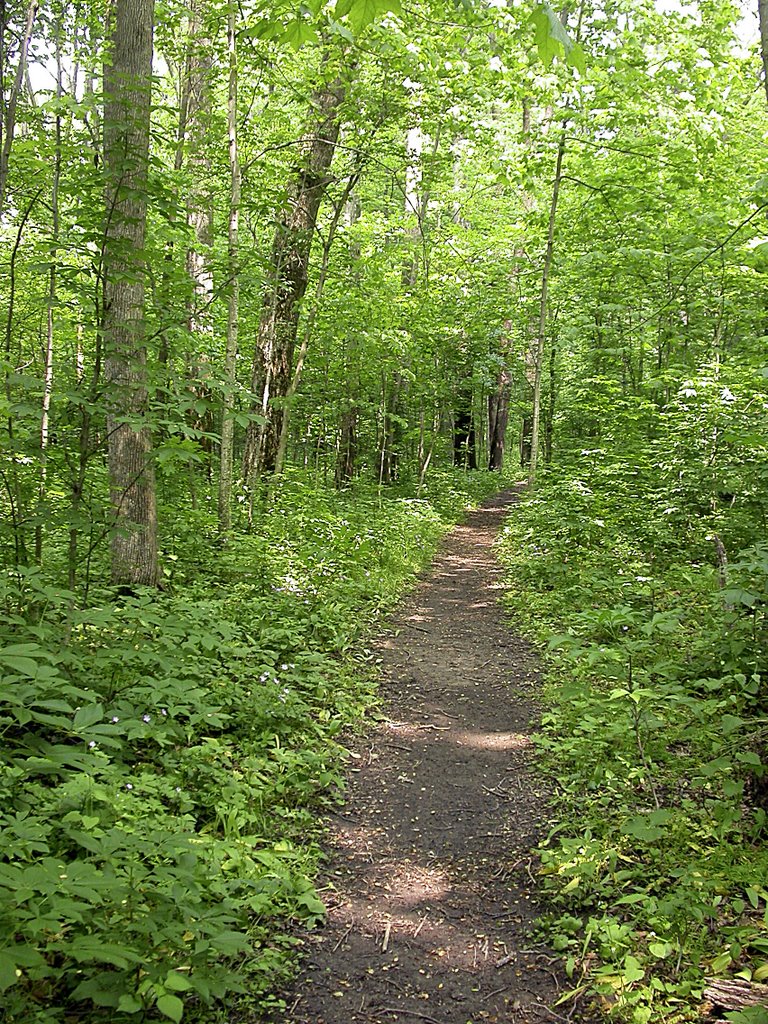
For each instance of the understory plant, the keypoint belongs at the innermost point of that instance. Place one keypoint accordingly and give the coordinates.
(647, 590)
(166, 758)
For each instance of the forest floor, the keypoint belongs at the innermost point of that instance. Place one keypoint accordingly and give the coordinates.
(432, 895)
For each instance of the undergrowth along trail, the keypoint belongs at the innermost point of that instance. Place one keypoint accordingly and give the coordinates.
(165, 757)
(654, 735)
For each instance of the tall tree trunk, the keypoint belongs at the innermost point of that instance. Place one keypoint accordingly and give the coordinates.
(347, 453)
(8, 122)
(464, 434)
(287, 282)
(549, 419)
(293, 387)
(498, 406)
(542, 332)
(52, 286)
(762, 12)
(127, 88)
(233, 299)
(346, 456)
(197, 116)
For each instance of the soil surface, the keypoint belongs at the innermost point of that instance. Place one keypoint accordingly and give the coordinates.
(432, 897)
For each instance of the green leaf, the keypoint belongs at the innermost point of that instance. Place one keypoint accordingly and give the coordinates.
(87, 716)
(749, 757)
(129, 1004)
(8, 974)
(364, 12)
(644, 827)
(552, 40)
(171, 1007)
(753, 896)
(633, 970)
(177, 982)
(298, 33)
(730, 723)
(750, 1015)
(230, 943)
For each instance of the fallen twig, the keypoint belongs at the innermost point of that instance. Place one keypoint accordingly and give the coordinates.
(420, 925)
(343, 937)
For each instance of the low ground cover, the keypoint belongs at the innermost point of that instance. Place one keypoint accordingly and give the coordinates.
(647, 590)
(166, 758)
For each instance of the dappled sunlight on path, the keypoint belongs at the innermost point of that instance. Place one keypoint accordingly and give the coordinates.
(429, 884)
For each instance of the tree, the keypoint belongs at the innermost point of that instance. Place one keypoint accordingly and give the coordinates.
(127, 87)
(287, 279)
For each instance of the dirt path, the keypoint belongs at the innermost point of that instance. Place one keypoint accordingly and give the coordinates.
(430, 855)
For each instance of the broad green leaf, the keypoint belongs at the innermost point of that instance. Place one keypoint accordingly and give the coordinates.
(171, 1007)
(87, 716)
(176, 982)
(8, 974)
(729, 723)
(129, 1004)
(753, 896)
(552, 40)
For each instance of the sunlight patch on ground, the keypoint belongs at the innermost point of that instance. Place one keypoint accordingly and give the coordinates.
(492, 740)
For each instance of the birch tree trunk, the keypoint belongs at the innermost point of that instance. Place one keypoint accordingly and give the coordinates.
(233, 299)
(542, 331)
(127, 88)
(50, 326)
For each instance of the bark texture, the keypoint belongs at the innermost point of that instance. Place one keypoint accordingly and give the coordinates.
(127, 86)
(762, 12)
(233, 299)
(287, 282)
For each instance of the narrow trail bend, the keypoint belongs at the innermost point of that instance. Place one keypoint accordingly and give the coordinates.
(430, 854)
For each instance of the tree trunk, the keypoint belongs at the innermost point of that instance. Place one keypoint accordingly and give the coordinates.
(290, 394)
(52, 290)
(762, 12)
(464, 435)
(197, 115)
(498, 407)
(233, 300)
(287, 282)
(127, 88)
(549, 419)
(345, 463)
(8, 122)
(735, 994)
(542, 332)
(346, 455)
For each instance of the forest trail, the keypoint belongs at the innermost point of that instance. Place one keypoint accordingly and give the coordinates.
(430, 856)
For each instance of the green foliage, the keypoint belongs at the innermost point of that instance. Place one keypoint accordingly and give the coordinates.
(657, 718)
(165, 759)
